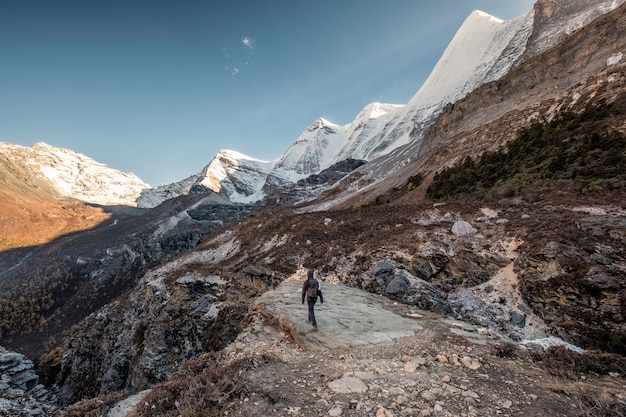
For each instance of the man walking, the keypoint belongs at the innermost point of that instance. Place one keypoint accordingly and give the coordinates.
(311, 290)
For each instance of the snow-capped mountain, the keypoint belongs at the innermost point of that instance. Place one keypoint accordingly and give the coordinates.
(244, 179)
(74, 175)
(483, 50)
(231, 174)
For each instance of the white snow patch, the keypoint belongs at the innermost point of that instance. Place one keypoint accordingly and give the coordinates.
(594, 211)
(614, 59)
(548, 342)
(273, 243)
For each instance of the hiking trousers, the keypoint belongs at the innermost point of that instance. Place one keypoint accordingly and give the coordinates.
(312, 310)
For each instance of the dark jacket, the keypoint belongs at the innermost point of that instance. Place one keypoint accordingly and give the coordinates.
(309, 282)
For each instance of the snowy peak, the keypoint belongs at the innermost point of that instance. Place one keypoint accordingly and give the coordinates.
(74, 175)
(376, 110)
(234, 175)
(479, 14)
(482, 50)
(311, 152)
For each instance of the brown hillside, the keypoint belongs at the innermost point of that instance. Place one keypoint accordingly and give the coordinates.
(29, 219)
(31, 215)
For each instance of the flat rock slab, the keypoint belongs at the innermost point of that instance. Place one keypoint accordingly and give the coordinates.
(349, 317)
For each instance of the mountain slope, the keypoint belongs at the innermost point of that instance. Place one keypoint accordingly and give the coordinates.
(72, 175)
(543, 265)
(484, 47)
(32, 212)
(571, 74)
(483, 50)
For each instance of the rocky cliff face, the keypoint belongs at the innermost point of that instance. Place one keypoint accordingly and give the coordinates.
(21, 395)
(175, 313)
(555, 19)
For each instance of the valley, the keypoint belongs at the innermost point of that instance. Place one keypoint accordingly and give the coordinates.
(473, 252)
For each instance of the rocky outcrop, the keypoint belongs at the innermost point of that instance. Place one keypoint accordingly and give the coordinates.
(556, 19)
(21, 395)
(176, 312)
(101, 264)
(580, 290)
(309, 187)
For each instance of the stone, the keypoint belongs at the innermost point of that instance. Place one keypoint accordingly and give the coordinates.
(337, 411)
(398, 285)
(348, 385)
(382, 412)
(518, 319)
(470, 363)
(463, 228)
(427, 396)
(410, 367)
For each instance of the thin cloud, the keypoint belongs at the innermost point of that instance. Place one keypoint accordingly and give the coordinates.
(248, 42)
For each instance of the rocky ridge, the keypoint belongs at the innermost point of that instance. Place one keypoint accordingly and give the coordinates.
(21, 394)
(462, 262)
(371, 356)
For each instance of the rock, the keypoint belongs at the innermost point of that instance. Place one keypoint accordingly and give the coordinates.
(382, 412)
(337, 411)
(427, 396)
(518, 319)
(423, 270)
(396, 391)
(443, 358)
(463, 228)
(398, 285)
(20, 392)
(470, 363)
(506, 404)
(124, 407)
(410, 367)
(348, 385)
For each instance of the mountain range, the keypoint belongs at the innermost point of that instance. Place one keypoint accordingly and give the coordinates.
(109, 285)
(483, 50)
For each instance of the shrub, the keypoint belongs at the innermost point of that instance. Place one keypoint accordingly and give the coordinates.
(201, 387)
(580, 148)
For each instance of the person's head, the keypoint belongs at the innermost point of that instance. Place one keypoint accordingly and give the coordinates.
(309, 274)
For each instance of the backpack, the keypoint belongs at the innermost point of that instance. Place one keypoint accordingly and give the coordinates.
(311, 291)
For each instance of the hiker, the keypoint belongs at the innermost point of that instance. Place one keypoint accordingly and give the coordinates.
(311, 290)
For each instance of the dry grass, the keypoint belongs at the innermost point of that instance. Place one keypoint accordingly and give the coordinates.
(201, 388)
(95, 407)
(565, 363)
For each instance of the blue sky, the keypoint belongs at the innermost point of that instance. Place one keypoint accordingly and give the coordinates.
(159, 87)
